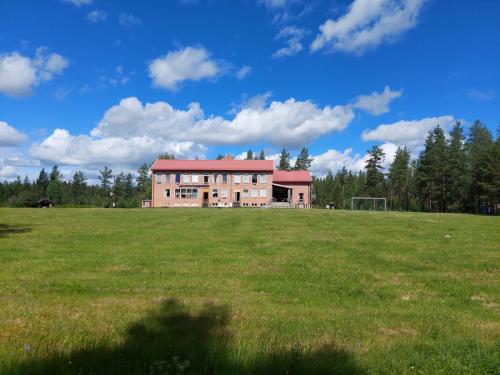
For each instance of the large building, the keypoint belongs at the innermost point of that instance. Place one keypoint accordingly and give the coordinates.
(228, 183)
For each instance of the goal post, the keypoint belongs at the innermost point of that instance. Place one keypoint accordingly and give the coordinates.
(369, 203)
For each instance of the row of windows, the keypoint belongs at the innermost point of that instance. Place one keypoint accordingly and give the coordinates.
(193, 193)
(195, 178)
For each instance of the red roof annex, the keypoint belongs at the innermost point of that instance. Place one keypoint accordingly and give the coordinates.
(292, 176)
(213, 165)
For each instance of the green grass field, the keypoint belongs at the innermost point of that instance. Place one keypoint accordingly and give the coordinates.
(242, 291)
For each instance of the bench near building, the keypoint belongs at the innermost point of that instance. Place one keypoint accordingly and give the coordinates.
(228, 183)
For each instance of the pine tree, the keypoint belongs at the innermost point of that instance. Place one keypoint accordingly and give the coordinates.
(399, 179)
(42, 183)
(440, 168)
(78, 187)
(374, 175)
(55, 174)
(166, 156)
(249, 155)
(458, 176)
(143, 180)
(105, 176)
(480, 152)
(284, 163)
(262, 155)
(303, 161)
(496, 171)
(424, 173)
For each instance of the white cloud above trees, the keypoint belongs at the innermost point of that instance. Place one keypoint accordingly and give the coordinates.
(367, 24)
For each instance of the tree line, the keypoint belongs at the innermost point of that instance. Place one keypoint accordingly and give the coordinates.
(458, 173)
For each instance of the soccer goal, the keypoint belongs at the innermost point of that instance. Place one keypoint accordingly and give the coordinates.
(368, 204)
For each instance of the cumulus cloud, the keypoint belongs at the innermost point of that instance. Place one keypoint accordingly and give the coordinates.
(19, 74)
(243, 72)
(333, 160)
(289, 123)
(368, 24)
(187, 64)
(377, 103)
(78, 3)
(293, 37)
(411, 133)
(96, 16)
(9, 136)
(63, 148)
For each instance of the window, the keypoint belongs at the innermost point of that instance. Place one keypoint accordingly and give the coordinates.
(215, 193)
(263, 193)
(254, 178)
(177, 193)
(194, 178)
(224, 178)
(263, 178)
(255, 193)
(237, 179)
(166, 193)
(167, 178)
(194, 193)
(223, 193)
(205, 179)
(186, 193)
(263, 205)
(246, 193)
(183, 193)
(254, 204)
(177, 178)
(158, 178)
(246, 179)
(301, 197)
(185, 178)
(216, 178)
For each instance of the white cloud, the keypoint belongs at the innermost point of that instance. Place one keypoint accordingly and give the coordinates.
(273, 4)
(96, 16)
(188, 64)
(243, 72)
(377, 103)
(290, 123)
(78, 3)
(293, 36)
(19, 74)
(334, 160)
(411, 133)
(368, 24)
(63, 148)
(9, 136)
(128, 20)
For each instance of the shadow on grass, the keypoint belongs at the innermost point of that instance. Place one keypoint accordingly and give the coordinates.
(172, 340)
(8, 229)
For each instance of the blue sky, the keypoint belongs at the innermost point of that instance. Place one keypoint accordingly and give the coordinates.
(84, 83)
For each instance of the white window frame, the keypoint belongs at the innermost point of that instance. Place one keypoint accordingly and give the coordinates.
(263, 193)
(254, 193)
(246, 179)
(246, 193)
(216, 178)
(166, 193)
(159, 178)
(237, 179)
(185, 178)
(167, 178)
(194, 178)
(263, 178)
(223, 193)
(225, 177)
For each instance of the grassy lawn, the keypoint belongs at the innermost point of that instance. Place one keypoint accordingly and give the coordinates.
(86, 291)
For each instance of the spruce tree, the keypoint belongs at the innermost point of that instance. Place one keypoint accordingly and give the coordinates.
(284, 163)
(249, 155)
(399, 178)
(42, 183)
(143, 179)
(262, 155)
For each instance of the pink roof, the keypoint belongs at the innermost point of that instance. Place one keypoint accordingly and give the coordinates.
(213, 165)
(291, 176)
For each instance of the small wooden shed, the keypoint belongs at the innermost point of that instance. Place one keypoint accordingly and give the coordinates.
(45, 203)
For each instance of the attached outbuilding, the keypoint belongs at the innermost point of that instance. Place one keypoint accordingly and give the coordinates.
(45, 203)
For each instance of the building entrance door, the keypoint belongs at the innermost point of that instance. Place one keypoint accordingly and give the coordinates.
(205, 199)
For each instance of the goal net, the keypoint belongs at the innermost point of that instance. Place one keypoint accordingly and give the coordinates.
(368, 204)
